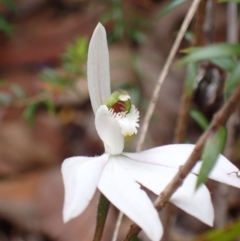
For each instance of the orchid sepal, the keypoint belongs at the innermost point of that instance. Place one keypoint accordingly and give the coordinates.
(98, 68)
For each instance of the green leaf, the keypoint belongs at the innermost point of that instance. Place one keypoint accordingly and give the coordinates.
(224, 1)
(228, 64)
(51, 76)
(6, 27)
(18, 91)
(2, 82)
(228, 233)
(232, 81)
(199, 118)
(135, 239)
(173, 4)
(138, 36)
(75, 55)
(189, 36)
(5, 98)
(212, 148)
(50, 107)
(10, 5)
(29, 113)
(192, 70)
(210, 52)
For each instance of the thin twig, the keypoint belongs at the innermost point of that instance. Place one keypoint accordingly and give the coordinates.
(219, 119)
(164, 72)
(209, 22)
(117, 226)
(232, 22)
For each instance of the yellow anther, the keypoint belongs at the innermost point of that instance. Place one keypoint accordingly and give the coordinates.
(128, 133)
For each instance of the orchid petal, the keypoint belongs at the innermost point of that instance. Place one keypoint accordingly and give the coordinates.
(80, 178)
(129, 123)
(156, 178)
(176, 155)
(109, 131)
(122, 190)
(173, 156)
(194, 202)
(98, 68)
(223, 171)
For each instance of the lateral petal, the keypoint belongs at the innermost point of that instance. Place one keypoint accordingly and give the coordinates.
(109, 131)
(176, 155)
(98, 68)
(80, 178)
(156, 178)
(223, 171)
(123, 192)
(196, 203)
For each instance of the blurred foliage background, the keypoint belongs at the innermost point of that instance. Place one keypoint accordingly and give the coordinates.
(46, 116)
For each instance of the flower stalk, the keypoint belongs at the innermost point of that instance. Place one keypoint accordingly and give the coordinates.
(102, 211)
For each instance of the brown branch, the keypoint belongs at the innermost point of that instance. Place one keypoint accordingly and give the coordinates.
(199, 23)
(186, 98)
(219, 119)
(209, 27)
(180, 130)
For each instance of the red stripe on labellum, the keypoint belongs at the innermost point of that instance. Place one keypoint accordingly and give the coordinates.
(119, 106)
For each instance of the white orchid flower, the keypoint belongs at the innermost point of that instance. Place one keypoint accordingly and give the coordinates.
(119, 175)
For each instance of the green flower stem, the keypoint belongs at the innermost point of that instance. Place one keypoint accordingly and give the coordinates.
(102, 211)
